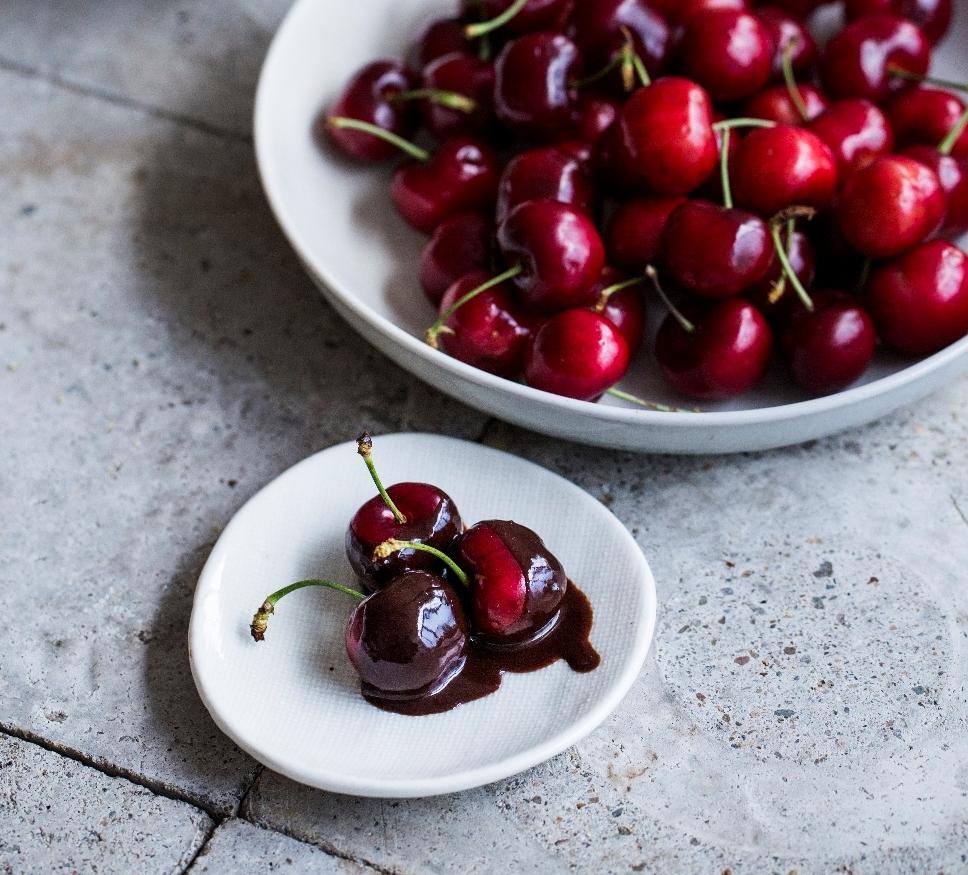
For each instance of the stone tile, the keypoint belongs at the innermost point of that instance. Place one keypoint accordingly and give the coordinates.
(61, 816)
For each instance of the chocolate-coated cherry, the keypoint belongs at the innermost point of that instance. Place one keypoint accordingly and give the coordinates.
(559, 252)
(862, 60)
(924, 116)
(890, 206)
(460, 244)
(619, 299)
(464, 75)
(919, 301)
(633, 236)
(856, 131)
(406, 511)
(547, 173)
(789, 34)
(776, 104)
(932, 16)
(514, 16)
(577, 353)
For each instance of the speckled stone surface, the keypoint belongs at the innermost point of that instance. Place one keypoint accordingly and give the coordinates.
(162, 356)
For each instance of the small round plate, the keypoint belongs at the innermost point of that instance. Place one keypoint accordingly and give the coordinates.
(293, 702)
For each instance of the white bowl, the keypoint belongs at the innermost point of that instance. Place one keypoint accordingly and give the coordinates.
(293, 701)
(341, 223)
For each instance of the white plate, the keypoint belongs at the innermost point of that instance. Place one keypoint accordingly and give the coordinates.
(293, 702)
(341, 223)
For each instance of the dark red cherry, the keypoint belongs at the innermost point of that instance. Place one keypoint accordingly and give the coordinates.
(923, 116)
(713, 251)
(633, 236)
(932, 16)
(408, 640)
(858, 61)
(774, 296)
(578, 353)
(682, 11)
(623, 305)
(788, 30)
(547, 173)
(781, 167)
(535, 15)
(728, 53)
(798, 8)
(890, 206)
(664, 140)
(461, 175)
(460, 244)
(534, 78)
(368, 97)
(856, 131)
(776, 105)
(517, 583)
(442, 37)
(725, 354)
(919, 302)
(462, 74)
(559, 251)
(952, 173)
(592, 115)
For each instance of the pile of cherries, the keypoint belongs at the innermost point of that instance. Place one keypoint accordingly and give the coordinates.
(446, 610)
(580, 155)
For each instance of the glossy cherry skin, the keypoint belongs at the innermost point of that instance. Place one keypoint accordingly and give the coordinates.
(368, 98)
(462, 74)
(857, 60)
(856, 131)
(545, 173)
(533, 92)
(536, 14)
(726, 355)
(715, 252)
(783, 167)
(517, 583)
(919, 302)
(578, 353)
(728, 53)
(461, 175)
(489, 331)
(409, 639)
(803, 259)
(952, 173)
(460, 244)
(633, 236)
(592, 115)
(932, 16)
(775, 104)
(829, 348)
(923, 116)
(625, 309)
(784, 29)
(890, 206)
(665, 142)
(432, 518)
(559, 250)
(442, 37)
(681, 11)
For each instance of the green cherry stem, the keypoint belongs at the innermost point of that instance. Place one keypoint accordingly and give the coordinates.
(650, 405)
(617, 287)
(788, 270)
(947, 145)
(261, 619)
(728, 124)
(412, 149)
(394, 546)
(482, 28)
(430, 337)
(653, 275)
(364, 446)
(791, 80)
(450, 99)
(901, 73)
(724, 168)
(779, 287)
(865, 273)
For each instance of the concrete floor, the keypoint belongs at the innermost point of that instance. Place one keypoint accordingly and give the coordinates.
(162, 356)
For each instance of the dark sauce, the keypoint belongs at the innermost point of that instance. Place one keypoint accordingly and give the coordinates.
(568, 639)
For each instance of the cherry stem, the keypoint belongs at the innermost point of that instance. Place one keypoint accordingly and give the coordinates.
(865, 273)
(651, 405)
(947, 145)
(394, 546)
(791, 80)
(724, 168)
(729, 124)
(261, 619)
(450, 99)
(364, 446)
(653, 275)
(412, 149)
(481, 28)
(901, 73)
(788, 270)
(632, 64)
(779, 287)
(617, 287)
(431, 335)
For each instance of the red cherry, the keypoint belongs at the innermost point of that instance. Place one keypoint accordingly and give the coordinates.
(788, 30)
(802, 256)
(681, 11)
(858, 60)
(932, 16)
(559, 251)
(724, 353)
(923, 116)
(442, 37)
(633, 236)
(783, 166)
(734, 249)
(465, 75)
(460, 244)
(544, 174)
(797, 8)
(577, 353)
(535, 14)
(856, 131)
(776, 105)
(461, 175)
(889, 206)
(620, 300)
(952, 173)
(920, 301)
(592, 116)
(729, 53)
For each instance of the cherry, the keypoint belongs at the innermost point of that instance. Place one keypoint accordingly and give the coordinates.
(788, 33)
(533, 84)
(952, 173)
(463, 75)
(924, 116)
(558, 250)
(889, 206)
(777, 105)
(856, 131)
(799, 8)
(406, 511)
(681, 11)
(773, 295)
(862, 60)
(577, 353)
(442, 37)
(664, 140)
(460, 244)
(919, 301)
(548, 173)
(619, 300)
(729, 53)
(368, 97)
(932, 16)
(592, 115)
(515, 16)
(633, 235)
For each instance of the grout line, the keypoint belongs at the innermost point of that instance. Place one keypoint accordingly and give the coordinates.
(209, 833)
(961, 513)
(244, 798)
(92, 91)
